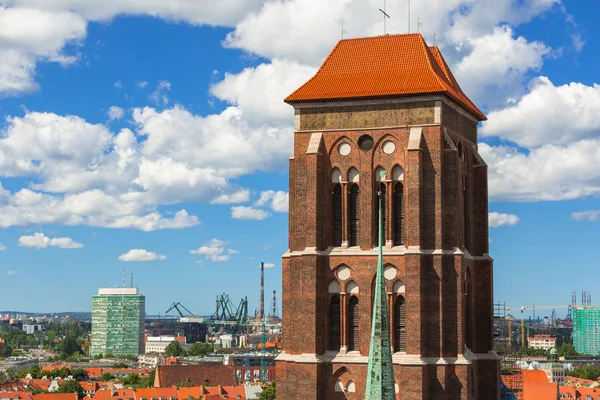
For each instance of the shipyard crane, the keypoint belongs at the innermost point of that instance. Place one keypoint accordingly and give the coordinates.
(532, 307)
(175, 306)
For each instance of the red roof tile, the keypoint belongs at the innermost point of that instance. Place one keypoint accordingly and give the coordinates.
(55, 396)
(382, 66)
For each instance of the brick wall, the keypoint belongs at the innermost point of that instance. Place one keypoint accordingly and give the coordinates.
(436, 309)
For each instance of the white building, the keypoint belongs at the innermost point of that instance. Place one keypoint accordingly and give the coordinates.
(544, 342)
(158, 344)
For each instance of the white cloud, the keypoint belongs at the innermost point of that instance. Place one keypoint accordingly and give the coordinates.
(41, 241)
(115, 113)
(269, 265)
(141, 255)
(278, 201)
(548, 114)
(118, 84)
(241, 212)
(497, 65)
(214, 251)
(259, 91)
(241, 196)
(547, 173)
(28, 35)
(142, 84)
(159, 96)
(497, 219)
(211, 12)
(590, 215)
(12, 272)
(2, 247)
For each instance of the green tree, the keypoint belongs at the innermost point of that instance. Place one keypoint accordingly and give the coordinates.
(174, 349)
(79, 374)
(268, 393)
(201, 349)
(107, 376)
(132, 379)
(108, 355)
(567, 350)
(149, 381)
(6, 351)
(586, 372)
(71, 387)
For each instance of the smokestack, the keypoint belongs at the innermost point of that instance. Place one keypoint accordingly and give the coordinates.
(261, 306)
(274, 305)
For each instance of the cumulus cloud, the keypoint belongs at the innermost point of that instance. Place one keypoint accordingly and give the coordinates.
(550, 172)
(41, 241)
(12, 272)
(241, 196)
(269, 265)
(548, 114)
(115, 113)
(214, 251)
(210, 12)
(28, 35)
(141, 255)
(142, 84)
(241, 212)
(259, 91)
(497, 219)
(590, 215)
(498, 64)
(2, 247)
(278, 201)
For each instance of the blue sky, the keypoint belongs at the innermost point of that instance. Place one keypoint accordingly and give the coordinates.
(130, 125)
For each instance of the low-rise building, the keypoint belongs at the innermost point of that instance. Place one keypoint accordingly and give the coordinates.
(544, 342)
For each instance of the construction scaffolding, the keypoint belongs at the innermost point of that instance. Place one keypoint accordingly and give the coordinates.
(586, 330)
(511, 374)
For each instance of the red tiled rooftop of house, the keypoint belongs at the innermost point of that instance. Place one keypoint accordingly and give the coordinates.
(383, 66)
(581, 381)
(15, 395)
(55, 396)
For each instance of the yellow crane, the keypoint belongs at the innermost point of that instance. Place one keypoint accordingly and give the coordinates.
(531, 307)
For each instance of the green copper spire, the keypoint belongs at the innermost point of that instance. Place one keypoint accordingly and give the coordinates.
(380, 373)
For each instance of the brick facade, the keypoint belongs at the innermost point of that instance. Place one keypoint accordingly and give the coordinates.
(443, 270)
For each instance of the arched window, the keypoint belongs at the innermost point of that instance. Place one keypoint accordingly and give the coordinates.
(400, 324)
(380, 188)
(398, 214)
(334, 323)
(353, 216)
(336, 212)
(353, 333)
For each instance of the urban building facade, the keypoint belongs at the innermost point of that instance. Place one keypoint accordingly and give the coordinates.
(544, 342)
(387, 103)
(118, 322)
(586, 330)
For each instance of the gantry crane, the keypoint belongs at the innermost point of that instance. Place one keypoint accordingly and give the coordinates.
(532, 307)
(175, 306)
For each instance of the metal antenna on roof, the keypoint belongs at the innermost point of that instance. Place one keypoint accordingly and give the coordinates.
(434, 38)
(419, 25)
(131, 279)
(408, 16)
(385, 15)
(343, 30)
(124, 278)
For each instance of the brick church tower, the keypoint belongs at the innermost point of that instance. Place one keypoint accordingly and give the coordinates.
(391, 103)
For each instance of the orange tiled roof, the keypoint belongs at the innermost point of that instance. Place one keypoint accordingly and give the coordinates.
(55, 396)
(382, 66)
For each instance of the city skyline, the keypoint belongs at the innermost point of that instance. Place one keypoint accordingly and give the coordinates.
(100, 113)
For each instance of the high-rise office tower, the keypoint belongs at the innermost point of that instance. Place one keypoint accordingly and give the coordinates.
(118, 321)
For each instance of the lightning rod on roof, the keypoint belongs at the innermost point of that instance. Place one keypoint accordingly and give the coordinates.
(385, 15)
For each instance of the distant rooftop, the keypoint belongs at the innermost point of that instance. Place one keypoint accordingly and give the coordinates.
(383, 66)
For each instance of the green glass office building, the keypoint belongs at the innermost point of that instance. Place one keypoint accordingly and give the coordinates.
(586, 330)
(118, 322)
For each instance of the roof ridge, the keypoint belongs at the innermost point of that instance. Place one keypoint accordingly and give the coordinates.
(430, 60)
